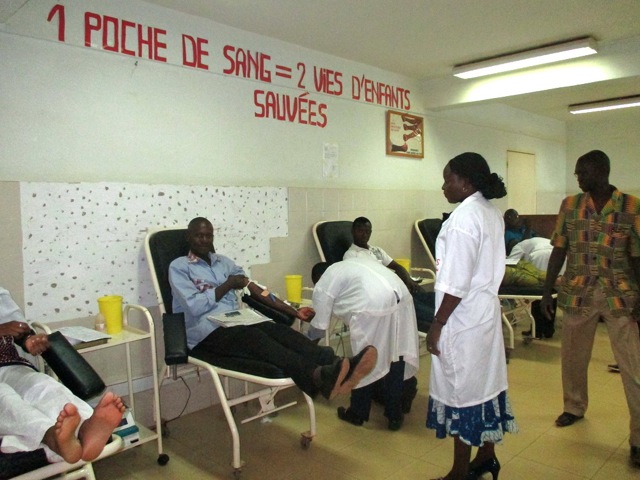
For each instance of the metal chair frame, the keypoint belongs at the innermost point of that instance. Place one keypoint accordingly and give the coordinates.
(268, 387)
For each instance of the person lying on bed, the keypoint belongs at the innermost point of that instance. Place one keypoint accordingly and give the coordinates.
(39, 412)
(516, 229)
(532, 255)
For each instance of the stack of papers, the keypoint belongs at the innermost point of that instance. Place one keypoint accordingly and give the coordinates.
(246, 316)
(82, 337)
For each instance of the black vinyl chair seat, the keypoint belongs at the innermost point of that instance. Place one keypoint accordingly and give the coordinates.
(333, 239)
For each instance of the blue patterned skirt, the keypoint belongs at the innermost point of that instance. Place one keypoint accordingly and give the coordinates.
(475, 425)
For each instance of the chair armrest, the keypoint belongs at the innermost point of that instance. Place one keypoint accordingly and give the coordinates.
(427, 273)
(175, 339)
(71, 368)
(275, 315)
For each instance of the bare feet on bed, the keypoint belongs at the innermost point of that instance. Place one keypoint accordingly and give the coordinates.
(96, 430)
(61, 437)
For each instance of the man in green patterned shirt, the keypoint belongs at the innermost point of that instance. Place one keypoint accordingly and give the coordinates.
(598, 232)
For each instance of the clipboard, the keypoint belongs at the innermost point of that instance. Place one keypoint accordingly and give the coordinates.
(233, 318)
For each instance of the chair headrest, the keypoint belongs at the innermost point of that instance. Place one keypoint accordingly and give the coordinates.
(165, 246)
(429, 228)
(335, 239)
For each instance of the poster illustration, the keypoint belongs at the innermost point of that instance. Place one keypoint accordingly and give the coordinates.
(405, 134)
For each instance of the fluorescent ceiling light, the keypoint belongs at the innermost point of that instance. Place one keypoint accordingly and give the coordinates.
(528, 58)
(611, 104)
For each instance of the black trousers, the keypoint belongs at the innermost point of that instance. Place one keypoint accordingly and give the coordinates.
(393, 382)
(269, 342)
(545, 328)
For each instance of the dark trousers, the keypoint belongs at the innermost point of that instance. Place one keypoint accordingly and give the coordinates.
(425, 305)
(268, 342)
(361, 397)
(545, 328)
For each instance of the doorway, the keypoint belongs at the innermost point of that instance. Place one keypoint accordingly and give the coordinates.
(521, 182)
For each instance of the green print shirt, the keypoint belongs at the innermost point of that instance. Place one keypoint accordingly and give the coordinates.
(598, 249)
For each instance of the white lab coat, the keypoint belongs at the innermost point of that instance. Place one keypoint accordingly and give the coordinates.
(470, 253)
(378, 309)
(536, 250)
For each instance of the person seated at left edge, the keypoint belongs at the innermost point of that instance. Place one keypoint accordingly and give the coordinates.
(37, 410)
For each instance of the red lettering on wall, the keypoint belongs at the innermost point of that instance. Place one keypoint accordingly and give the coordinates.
(59, 10)
(245, 64)
(110, 33)
(113, 33)
(286, 108)
(92, 23)
(193, 51)
(127, 25)
(379, 93)
(327, 81)
(301, 66)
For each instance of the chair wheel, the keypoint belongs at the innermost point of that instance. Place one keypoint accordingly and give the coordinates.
(163, 459)
(305, 442)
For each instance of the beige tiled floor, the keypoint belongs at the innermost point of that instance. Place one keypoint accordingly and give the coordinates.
(596, 448)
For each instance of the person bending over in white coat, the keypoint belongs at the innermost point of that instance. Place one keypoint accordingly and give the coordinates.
(378, 309)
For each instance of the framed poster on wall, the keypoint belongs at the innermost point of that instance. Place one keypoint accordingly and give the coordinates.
(405, 135)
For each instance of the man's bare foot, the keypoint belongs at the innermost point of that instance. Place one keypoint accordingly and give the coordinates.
(61, 438)
(96, 430)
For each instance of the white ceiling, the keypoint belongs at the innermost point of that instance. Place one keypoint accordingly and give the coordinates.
(424, 39)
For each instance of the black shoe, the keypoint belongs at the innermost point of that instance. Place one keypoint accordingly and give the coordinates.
(395, 425)
(332, 376)
(488, 466)
(409, 392)
(567, 419)
(635, 456)
(359, 367)
(528, 334)
(326, 356)
(347, 415)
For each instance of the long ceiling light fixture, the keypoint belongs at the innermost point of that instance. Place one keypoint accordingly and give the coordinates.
(601, 105)
(527, 58)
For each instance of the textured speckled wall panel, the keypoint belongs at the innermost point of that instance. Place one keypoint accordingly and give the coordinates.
(85, 240)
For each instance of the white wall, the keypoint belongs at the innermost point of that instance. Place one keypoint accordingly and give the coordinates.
(617, 133)
(83, 114)
(80, 113)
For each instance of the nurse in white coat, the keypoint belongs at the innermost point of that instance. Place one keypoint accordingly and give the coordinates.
(468, 382)
(378, 308)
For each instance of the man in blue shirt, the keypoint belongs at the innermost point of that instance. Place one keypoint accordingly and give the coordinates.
(204, 283)
(515, 229)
